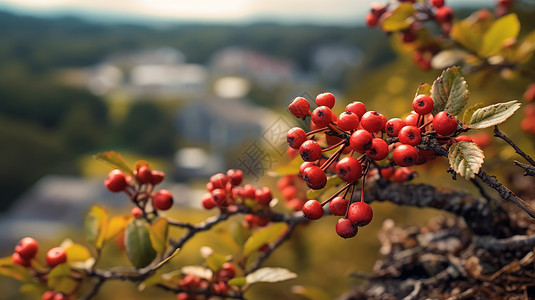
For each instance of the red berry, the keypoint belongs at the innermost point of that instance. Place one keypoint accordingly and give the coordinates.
(136, 212)
(163, 200)
(322, 116)
(361, 140)
(338, 206)
(444, 123)
(405, 155)
(284, 181)
(437, 3)
(411, 120)
(56, 256)
(299, 107)
(314, 177)
(295, 204)
(116, 181)
(60, 296)
(505, 3)
(144, 174)
(423, 104)
(386, 172)
(310, 151)
(235, 176)
(378, 150)
(219, 196)
(444, 14)
(209, 186)
(463, 138)
(27, 247)
(183, 296)
(357, 108)
(410, 135)
(313, 209)
(303, 166)
(348, 121)
(249, 191)
(349, 169)
(227, 272)
(48, 295)
(371, 19)
(157, 176)
(17, 259)
(220, 288)
(263, 196)
(254, 220)
(373, 121)
(291, 152)
(325, 99)
(529, 94)
(402, 174)
(296, 137)
(345, 229)
(289, 192)
(207, 201)
(189, 282)
(219, 180)
(393, 126)
(360, 213)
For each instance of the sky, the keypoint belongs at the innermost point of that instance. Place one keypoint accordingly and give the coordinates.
(334, 12)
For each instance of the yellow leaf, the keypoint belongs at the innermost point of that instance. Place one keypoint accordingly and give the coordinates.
(158, 235)
(502, 30)
(116, 225)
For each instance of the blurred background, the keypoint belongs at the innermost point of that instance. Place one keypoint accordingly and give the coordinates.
(194, 87)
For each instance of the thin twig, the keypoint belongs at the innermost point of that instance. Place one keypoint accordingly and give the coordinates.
(529, 170)
(498, 133)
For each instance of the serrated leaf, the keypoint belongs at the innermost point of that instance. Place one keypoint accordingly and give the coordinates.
(216, 261)
(59, 279)
(138, 245)
(450, 92)
(503, 29)
(116, 225)
(158, 234)
(400, 18)
(466, 159)
(467, 116)
(238, 281)
(311, 292)
(270, 275)
(448, 58)
(198, 271)
(332, 181)
(423, 89)
(262, 237)
(493, 114)
(96, 222)
(7, 268)
(115, 160)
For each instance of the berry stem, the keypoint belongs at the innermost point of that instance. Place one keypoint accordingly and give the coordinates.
(333, 146)
(317, 130)
(425, 125)
(345, 187)
(332, 158)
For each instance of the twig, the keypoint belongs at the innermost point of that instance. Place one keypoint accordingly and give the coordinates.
(511, 243)
(94, 291)
(529, 170)
(498, 133)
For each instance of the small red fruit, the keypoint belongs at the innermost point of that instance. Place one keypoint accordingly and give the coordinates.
(263, 196)
(144, 174)
(60, 296)
(463, 138)
(296, 137)
(405, 155)
(357, 108)
(361, 140)
(313, 210)
(157, 176)
(163, 200)
(116, 181)
(48, 295)
(325, 99)
(249, 191)
(437, 3)
(219, 196)
(299, 107)
(303, 166)
(345, 229)
(371, 19)
(314, 177)
(27, 248)
(529, 94)
(219, 180)
(373, 121)
(56, 256)
(322, 116)
(360, 213)
(349, 169)
(444, 123)
(310, 151)
(410, 135)
(393, 126)
(235, 176)
(444, 14)
(207, 201)
(227, 272)
(348, 121)
(378, 150)
(423, 104)
(17, 259)
(136, 212)
(338, 206)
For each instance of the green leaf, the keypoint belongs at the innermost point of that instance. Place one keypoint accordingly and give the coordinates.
(493, 114)
(448, 58)
(503, 29)
(526, 48)
(311, 292)
(466, 159)
(59, 279)
(450, 92)
(270, 275)
(465, 34)
(238, 281)
(198, 271)
(400, 18)
(467, 116)
(263, 236)
(158, 235)
(216, 261)
(115, 160)
(8, 268)
(96, 222)
(151, 281)
(423, 89)
(138, 245)
(332, 181)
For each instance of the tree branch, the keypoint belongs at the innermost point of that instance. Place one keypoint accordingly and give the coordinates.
(499, 134)
(529, 170)
(511, 243)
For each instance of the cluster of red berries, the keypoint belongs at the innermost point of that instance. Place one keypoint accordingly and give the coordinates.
(139, 188)
(503, 7)
(26, 251)
(358, 130)
(293, 191)
(194, 287)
